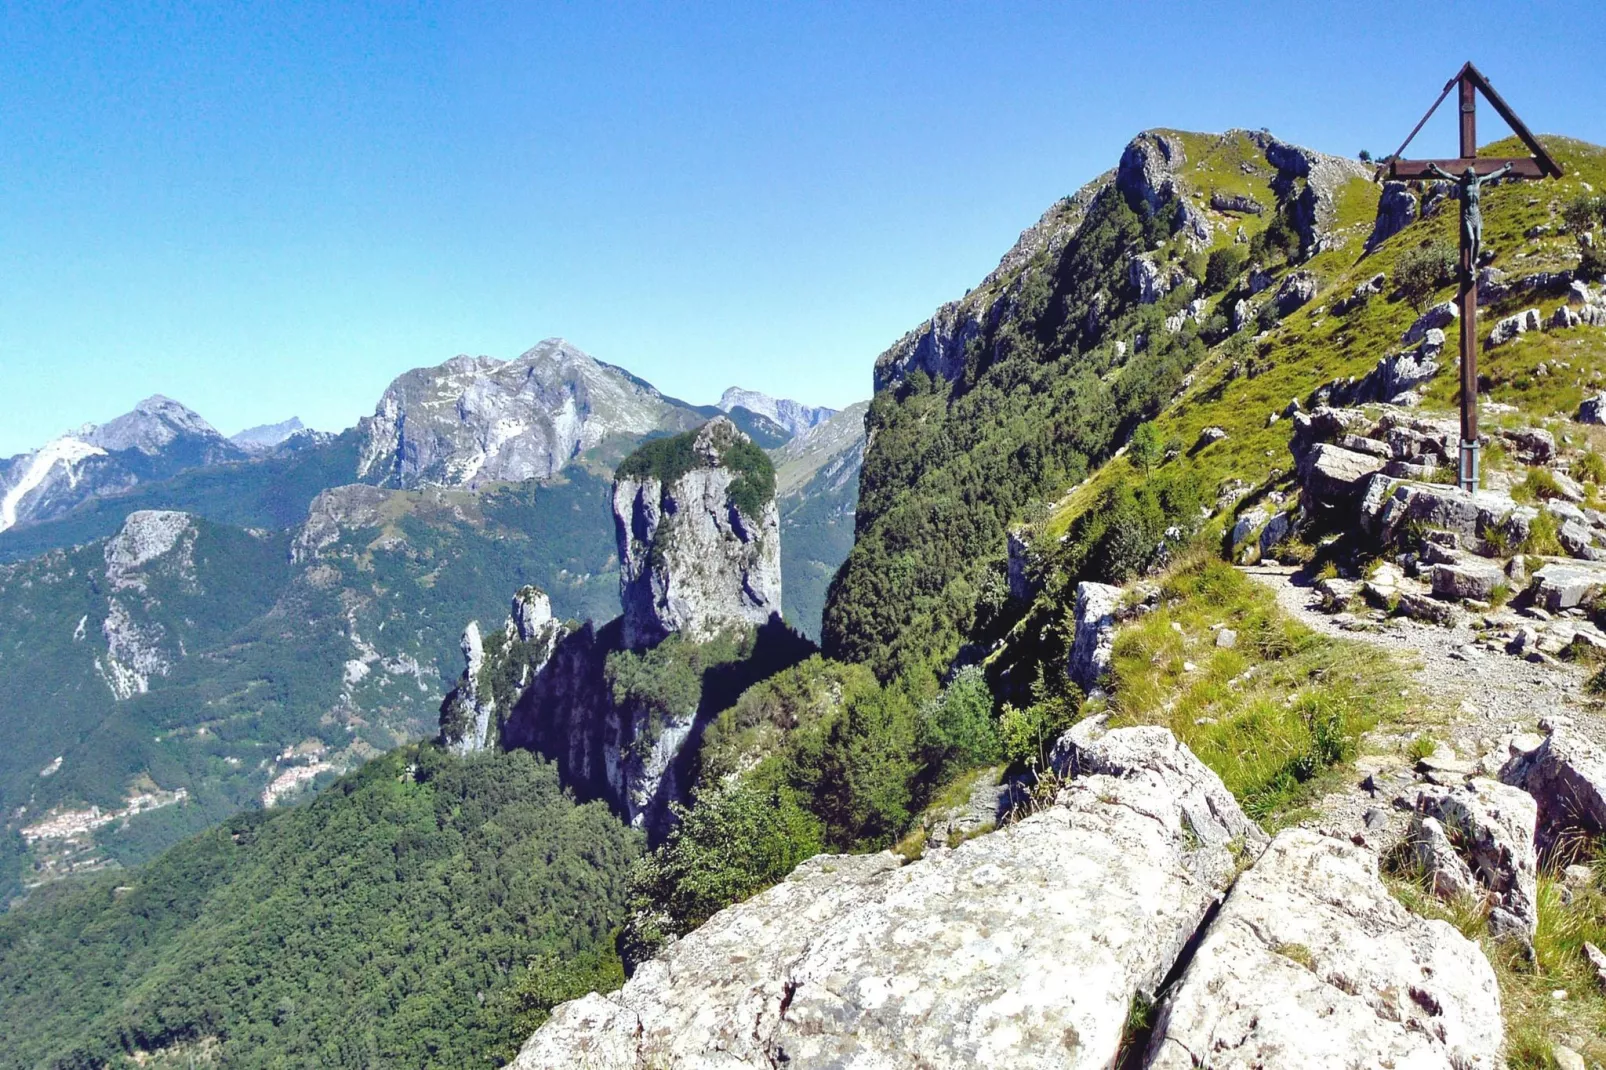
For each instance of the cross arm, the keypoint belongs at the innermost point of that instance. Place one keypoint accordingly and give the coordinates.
(1483, 165)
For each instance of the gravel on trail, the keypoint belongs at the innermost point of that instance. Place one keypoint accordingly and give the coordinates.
(1473, 701)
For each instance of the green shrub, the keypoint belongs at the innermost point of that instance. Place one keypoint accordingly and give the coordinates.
(1421, 271)
(1225, 265)
(956, 729)
(1278, 242)
(862, 778)
(1592, 262)
(735, 841)
(1584, 212)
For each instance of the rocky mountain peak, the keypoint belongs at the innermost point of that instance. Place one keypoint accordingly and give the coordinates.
(472, 420)
(152, 426)
(264, 437)
(699, 535)
(795, 416)
(158, 438)
(1205, 183)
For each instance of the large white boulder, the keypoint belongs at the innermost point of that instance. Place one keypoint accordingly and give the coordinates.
(1023, 948)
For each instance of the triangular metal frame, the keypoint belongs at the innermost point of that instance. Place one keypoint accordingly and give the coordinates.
(1547, 165)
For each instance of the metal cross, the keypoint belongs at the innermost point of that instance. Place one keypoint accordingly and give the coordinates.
(1471, 172)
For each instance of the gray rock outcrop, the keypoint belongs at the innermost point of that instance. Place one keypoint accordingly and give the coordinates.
(1094, 642)
(1396, 210)
(1311, 963)
(1437, 318)
(691, 560)
(1566, 775)
(1023, 948)
(1494, 825)
(1295, 292)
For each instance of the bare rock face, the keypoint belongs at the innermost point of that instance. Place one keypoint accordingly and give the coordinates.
(152, 542)
(1311, 963)
(473, 715)
(1494, 825)
(1022, 948)
(475, 419)
(1310, 181)
(333, 511)
(1396, 210)
(145, 536)
(1094, 643)
(699, 536)
(1566, 775)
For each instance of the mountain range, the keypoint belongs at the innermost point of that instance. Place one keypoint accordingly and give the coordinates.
(188, 618)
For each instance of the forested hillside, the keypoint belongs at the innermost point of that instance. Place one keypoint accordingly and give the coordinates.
(425, 910)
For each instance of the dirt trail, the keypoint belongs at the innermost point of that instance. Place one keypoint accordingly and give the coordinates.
(1471, 698)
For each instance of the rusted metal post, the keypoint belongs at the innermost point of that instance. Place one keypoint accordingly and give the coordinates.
(1468, 468)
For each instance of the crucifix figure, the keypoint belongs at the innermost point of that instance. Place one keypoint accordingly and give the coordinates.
(1471, 187)
(1475, 173)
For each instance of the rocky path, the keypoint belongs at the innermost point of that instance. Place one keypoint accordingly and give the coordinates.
(1471, 699)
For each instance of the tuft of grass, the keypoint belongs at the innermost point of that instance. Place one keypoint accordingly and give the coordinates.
(1538, 485)
(1297, 953)
(1135, 1031)
(1596, 684)
(1589, 467)
(1423, 745)
(1543, 539)
(1274, 737)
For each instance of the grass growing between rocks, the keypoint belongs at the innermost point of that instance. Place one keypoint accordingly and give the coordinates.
(1275, 713)
(1537, 1020)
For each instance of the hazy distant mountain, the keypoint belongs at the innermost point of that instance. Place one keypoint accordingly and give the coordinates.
(157, 440)
(264, 437)
(817, 491)
(795, 416)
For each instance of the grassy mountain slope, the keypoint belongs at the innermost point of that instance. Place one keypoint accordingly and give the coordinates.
(1025, 386)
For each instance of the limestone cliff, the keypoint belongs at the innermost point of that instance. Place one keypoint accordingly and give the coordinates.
(699, 536)
(699, 546)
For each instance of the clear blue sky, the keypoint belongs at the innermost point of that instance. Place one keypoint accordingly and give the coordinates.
(272, 209)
